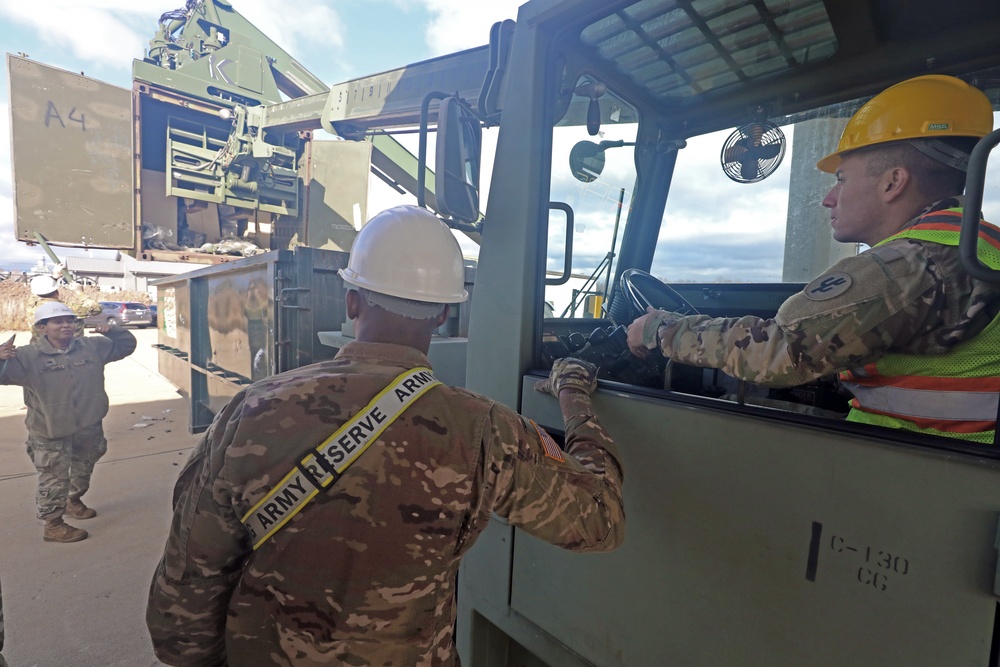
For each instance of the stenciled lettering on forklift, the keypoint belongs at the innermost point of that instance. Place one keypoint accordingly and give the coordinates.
(371, 92)
(877, 565)
(216, 71)
(52, 112)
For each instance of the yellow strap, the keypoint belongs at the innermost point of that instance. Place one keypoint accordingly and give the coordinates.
(324, 464)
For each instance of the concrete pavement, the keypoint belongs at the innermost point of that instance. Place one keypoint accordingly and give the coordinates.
(83, 604)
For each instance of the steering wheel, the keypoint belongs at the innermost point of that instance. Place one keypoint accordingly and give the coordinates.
(641, 290)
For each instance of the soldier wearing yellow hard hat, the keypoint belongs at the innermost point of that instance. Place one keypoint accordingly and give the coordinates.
(928, 113)
(912, 335)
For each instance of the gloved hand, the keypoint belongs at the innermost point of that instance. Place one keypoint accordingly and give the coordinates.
(569, 373)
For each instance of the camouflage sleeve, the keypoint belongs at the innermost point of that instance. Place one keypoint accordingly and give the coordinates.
(81, 304)
(847, 317)
(12, 371)
(30, 306)
(571, 498)
(203, 558)
(92, 307)
(116, 344)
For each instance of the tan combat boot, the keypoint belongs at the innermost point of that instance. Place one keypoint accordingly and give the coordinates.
(58, 530)
(76, 509)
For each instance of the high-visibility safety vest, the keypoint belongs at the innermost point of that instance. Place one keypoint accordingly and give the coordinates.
(953, 394)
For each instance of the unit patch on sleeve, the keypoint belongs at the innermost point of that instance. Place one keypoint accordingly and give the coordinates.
(828, 286)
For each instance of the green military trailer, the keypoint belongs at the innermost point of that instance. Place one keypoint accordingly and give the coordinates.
(763, 529)
(211, 156)
(211, 160)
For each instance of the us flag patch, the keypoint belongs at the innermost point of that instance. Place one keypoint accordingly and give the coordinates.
(548, 444)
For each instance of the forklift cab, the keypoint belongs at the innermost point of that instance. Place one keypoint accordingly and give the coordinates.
(664, 152)
(742, 226)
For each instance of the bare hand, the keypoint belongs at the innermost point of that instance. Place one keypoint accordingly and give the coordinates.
(102, 328)
(7, 349)
(635, 331)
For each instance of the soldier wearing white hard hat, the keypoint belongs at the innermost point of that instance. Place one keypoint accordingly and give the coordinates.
(403, 473)
(63, 380)
(45, 289)
(44, 286)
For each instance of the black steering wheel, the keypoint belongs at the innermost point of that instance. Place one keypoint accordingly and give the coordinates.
(640, 290)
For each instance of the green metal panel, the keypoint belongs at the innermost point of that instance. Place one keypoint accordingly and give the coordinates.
(750, 538)
(394, 97)
(338, 193)
(174, 335)
(245, 320)
(72, 154)
(216, 54)
(250, 69)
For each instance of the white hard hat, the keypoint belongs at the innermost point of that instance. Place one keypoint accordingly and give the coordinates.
(42, 285)
(52, 309)
(407, 252)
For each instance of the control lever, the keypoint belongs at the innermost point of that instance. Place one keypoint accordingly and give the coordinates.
(606, 348)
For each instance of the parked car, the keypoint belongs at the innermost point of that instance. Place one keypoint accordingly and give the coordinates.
(122, 313)
(152, 309)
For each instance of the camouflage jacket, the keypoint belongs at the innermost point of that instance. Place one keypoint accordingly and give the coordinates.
(65, 392)
(81, 304)
(365, 574)
(905, 295)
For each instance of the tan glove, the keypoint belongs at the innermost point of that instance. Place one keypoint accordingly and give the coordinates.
(569, 373)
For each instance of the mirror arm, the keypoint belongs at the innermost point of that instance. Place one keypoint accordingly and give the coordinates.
(422, 150)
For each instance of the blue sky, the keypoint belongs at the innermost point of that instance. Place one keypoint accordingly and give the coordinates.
(337, 40)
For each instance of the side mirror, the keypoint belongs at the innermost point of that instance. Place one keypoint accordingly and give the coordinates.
(586, 161)
(456, 165)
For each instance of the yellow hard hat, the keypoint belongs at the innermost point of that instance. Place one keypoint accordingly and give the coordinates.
(926, 107)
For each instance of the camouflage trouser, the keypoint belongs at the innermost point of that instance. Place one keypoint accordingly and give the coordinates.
(64, 467)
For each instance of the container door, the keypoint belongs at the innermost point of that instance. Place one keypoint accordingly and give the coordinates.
(71, 151)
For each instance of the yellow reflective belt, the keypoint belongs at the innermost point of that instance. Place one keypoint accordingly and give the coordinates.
(324, 465)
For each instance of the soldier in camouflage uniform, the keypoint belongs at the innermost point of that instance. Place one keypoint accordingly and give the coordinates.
(43, 289)
(912, 334)
(63, 381)
(365, 574)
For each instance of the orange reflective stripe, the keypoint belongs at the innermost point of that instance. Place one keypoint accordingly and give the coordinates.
(951, 221)
(914, 394)
(859, 374)
(989, 236)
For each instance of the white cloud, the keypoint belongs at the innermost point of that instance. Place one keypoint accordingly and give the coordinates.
(112, 32)
(107, 32)
(455, 26)
(296, 28)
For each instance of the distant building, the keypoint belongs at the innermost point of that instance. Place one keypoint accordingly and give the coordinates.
(124, 272)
